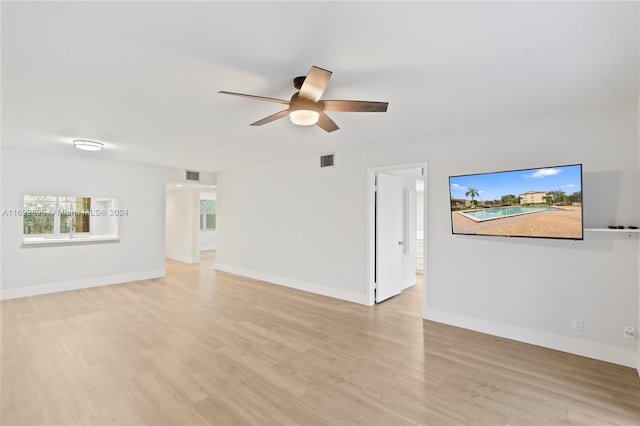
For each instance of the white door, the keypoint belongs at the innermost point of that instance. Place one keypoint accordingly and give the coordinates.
(389, 234)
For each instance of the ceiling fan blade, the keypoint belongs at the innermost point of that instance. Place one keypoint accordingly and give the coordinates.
(271, 118)
(315, 83)
(354, 106)
(325, 123)
(260, 98)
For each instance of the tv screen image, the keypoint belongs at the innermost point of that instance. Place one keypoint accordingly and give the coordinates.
(538, 203)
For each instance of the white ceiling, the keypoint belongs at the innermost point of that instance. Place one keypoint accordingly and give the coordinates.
(143, 76)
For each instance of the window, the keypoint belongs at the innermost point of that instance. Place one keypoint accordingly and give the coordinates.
(207, 215)
(56, 215)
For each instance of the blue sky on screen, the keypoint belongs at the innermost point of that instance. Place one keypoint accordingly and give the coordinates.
(492, 186)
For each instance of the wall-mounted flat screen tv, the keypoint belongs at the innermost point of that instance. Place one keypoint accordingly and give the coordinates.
(544, 202)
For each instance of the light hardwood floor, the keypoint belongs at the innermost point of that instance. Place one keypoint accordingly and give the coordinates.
(203, 347)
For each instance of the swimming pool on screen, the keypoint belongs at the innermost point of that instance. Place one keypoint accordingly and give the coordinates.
(504, 212)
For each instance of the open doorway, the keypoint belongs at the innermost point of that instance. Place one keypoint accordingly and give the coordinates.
(397, 227)
(189, 220)
(208, 223)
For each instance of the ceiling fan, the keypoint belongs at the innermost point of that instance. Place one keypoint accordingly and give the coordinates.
(306, 108)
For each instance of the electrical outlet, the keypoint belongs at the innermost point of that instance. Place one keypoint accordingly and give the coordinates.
(629, 333)
(577, 324)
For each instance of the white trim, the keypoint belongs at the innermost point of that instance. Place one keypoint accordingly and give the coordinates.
(35, 290)
(536, 337)
(295, 284)
(181, 258)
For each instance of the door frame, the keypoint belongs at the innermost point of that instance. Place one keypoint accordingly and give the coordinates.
(371, 227)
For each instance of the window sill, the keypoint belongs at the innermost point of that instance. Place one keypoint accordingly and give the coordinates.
(66, 240)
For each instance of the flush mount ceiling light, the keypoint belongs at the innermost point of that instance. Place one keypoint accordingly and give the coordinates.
(87, 145)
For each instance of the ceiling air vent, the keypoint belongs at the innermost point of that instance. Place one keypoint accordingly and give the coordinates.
(194, 176)
(326, 160)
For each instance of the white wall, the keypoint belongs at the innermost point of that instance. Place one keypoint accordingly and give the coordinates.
(182, 225)
(208, 240)
(311, 233)
(139, 254)
(104, 225)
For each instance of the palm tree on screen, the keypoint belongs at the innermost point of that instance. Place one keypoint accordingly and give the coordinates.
(472, 192)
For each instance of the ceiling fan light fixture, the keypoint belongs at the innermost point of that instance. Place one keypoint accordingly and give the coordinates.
(87, 145)
(304, 117)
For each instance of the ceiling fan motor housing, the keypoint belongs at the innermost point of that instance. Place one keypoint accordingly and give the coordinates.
(297, 81)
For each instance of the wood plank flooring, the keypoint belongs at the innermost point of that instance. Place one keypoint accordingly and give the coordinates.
(200, 347)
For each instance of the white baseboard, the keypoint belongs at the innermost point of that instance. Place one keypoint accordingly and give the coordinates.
(181, 258)
(539, 338)
(296, 284)
(14, 293)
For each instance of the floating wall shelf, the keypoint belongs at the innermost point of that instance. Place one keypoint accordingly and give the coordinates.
(610, 230)
(627, 231)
